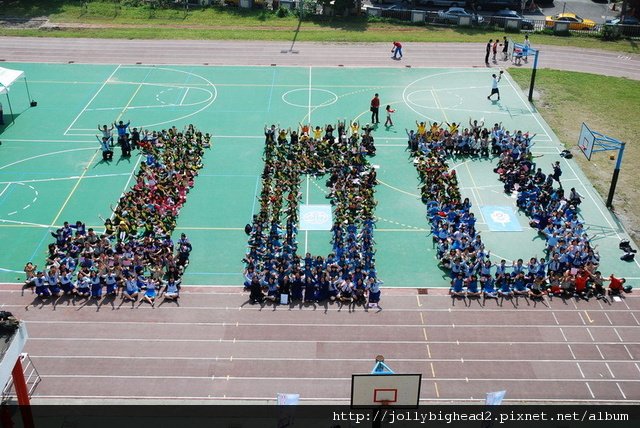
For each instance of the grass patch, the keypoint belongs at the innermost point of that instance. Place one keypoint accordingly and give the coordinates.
(229, 23)
(333, 31)
(609, 105)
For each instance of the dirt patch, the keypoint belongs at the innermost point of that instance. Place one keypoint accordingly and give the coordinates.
(23, 23)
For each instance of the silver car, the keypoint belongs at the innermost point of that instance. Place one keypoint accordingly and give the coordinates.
(453, 14)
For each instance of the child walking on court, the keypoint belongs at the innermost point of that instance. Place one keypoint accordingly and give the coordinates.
(389, 122)
(494, 85)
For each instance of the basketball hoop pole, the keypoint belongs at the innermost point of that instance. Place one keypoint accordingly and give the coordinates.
(533, 75)
(614, 179)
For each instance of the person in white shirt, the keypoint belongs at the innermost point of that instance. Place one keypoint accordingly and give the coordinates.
(494, 85)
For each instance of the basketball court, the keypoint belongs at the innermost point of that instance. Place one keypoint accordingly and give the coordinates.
(50, 170)
(214, 346)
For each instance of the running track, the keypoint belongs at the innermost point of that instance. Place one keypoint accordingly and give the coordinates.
(25, 49)
(213, 347)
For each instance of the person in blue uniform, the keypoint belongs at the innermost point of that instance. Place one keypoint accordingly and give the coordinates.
(40, 284)
(131, 289)
(374, 292)
(53, 281)
(96, 285)
(171, 290)
(110, 280)
(66, 281)
(149, 296)
(83, 286)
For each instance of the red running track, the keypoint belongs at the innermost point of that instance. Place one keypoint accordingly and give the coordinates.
(211, 347)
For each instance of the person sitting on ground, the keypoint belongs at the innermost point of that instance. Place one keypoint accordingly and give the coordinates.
(457, 286)
(131, 290)
(150, 295)
(39, 283)
(171, 290)
(30, 271)
(617, 286)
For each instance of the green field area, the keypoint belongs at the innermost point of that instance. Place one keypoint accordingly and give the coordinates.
(50, 170)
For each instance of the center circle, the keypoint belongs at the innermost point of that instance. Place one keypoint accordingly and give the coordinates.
(294, 96)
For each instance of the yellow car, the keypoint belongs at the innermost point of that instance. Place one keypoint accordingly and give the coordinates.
(575, 22)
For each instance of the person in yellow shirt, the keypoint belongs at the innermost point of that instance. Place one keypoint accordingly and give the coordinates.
(422, 128)
(317, 133)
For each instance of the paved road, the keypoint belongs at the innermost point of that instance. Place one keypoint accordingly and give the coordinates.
(23, 49)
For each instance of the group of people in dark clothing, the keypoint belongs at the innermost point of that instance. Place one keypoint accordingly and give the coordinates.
(274, 270)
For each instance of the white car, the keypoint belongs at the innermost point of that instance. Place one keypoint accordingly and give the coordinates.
(452, 15)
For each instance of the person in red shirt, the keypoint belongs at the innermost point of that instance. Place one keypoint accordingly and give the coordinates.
(397, 50)
(616, 286)
(581, 289)
(375, 109)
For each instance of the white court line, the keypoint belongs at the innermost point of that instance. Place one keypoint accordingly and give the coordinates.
(571, 350)
(73, 177)
(337, 400)
(590, 391)
(610, 371)
(184, 96)
(341, 342)
(621, 391)
(287, 323)
(580, 369)
(307, 379)
(98, 376)
(48, 141)
(528, 106)
(8, 184)
(91, 100)
(43, 155)
(355, 360)
(600, 352)
(23, 223)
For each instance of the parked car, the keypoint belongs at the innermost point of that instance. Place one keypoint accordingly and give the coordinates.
(447, 3)
(575, 22)
(626, 20)
(495, 4)
(498, 19)
(452, 15)
(629, 25)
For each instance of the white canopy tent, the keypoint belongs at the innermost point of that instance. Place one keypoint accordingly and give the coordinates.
(7, 78)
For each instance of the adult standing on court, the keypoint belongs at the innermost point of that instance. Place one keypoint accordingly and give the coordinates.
(557, 172)
(375, 109)
(494, 85)
(486, 56)
(397, 50)
(505, 48)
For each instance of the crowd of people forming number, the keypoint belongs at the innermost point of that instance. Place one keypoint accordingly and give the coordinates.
(135, 252)
(570, 265)
(275, 271)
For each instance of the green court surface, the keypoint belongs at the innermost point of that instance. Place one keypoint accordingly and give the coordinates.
(50, 169)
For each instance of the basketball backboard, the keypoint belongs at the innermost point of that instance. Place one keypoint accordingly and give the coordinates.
(586, 141)
(394, 390)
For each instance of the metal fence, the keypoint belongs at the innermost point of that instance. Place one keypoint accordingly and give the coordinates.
(500, 23)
